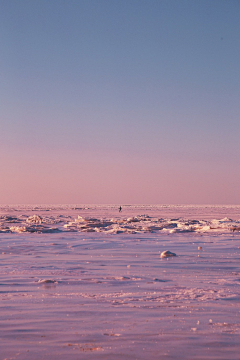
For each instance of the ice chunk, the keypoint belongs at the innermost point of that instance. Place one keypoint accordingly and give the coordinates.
(35, 219)
(167, 253)
(47, 281)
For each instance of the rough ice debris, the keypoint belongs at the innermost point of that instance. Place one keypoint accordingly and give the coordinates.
(35, 219)
(167, 253)
(141, 223)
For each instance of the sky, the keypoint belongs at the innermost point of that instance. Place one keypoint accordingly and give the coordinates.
(119, 101)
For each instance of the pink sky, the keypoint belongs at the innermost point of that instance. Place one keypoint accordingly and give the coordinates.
(93, 178)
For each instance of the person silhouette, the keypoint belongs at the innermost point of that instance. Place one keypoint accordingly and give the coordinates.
(120, 208)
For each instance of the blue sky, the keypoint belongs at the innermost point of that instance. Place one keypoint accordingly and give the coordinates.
(130, 85)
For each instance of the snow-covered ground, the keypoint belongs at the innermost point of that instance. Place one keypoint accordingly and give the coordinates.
(88, 282)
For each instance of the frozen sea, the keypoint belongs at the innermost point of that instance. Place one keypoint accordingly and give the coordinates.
(88, 282)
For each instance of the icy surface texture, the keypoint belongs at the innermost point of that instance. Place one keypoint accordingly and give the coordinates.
(96, 295)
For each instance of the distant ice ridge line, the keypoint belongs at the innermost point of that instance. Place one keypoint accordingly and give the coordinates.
(117, 225)
(54, 207)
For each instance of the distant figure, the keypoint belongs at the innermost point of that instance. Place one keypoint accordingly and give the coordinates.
(120, 209)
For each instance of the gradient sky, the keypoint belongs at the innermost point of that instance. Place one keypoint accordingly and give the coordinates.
(120, 101)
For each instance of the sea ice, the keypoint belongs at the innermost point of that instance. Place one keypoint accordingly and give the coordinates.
(98, 291)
